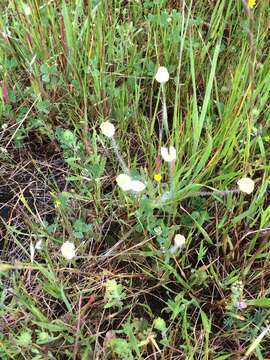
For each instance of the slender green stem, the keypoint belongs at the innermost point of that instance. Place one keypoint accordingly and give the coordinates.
(171, 180)
(119, 156)
(215, 192)
(251, 86)
(164, 110)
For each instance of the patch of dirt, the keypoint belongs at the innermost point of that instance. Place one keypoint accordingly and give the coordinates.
(27, 178)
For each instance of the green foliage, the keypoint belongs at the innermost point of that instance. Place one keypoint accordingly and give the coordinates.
(25, 339)
(121, 348)
(135, 335)
(80, 229)
(114, 294)
(177, 306)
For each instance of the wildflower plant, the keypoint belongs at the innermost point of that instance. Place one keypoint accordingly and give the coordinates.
(149, 201)
(124, 181)
(162, 76)
(108, 129)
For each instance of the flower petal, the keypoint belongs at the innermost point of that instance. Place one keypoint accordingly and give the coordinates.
(124, 182)
(137, 185)
(165, 154)
(168, 155)
(172, 152)
(157, 177)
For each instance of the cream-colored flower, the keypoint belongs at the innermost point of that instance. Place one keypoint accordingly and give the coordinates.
(107, 128)
(179, 240)
(124, 182)
(68, 250)
(137, 185)
(168, 155)
(162, 75)
(246, 185)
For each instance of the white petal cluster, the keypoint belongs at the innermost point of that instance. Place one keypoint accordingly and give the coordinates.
(68, 250)
(179, 240)
(162, 75)
(107, 129)
(246, 185)
(168, 154)
(126, 183)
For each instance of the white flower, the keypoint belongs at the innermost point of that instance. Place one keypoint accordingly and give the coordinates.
(137, 185)
(179, 240)
(39, 245)
(126, 183)
(68, 250)
(107, 128)
(27, 9)
(246, 185)
(168, 155)
(162, 75)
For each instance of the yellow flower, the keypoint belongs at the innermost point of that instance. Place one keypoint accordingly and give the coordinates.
(157, 177)
(251, 3)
